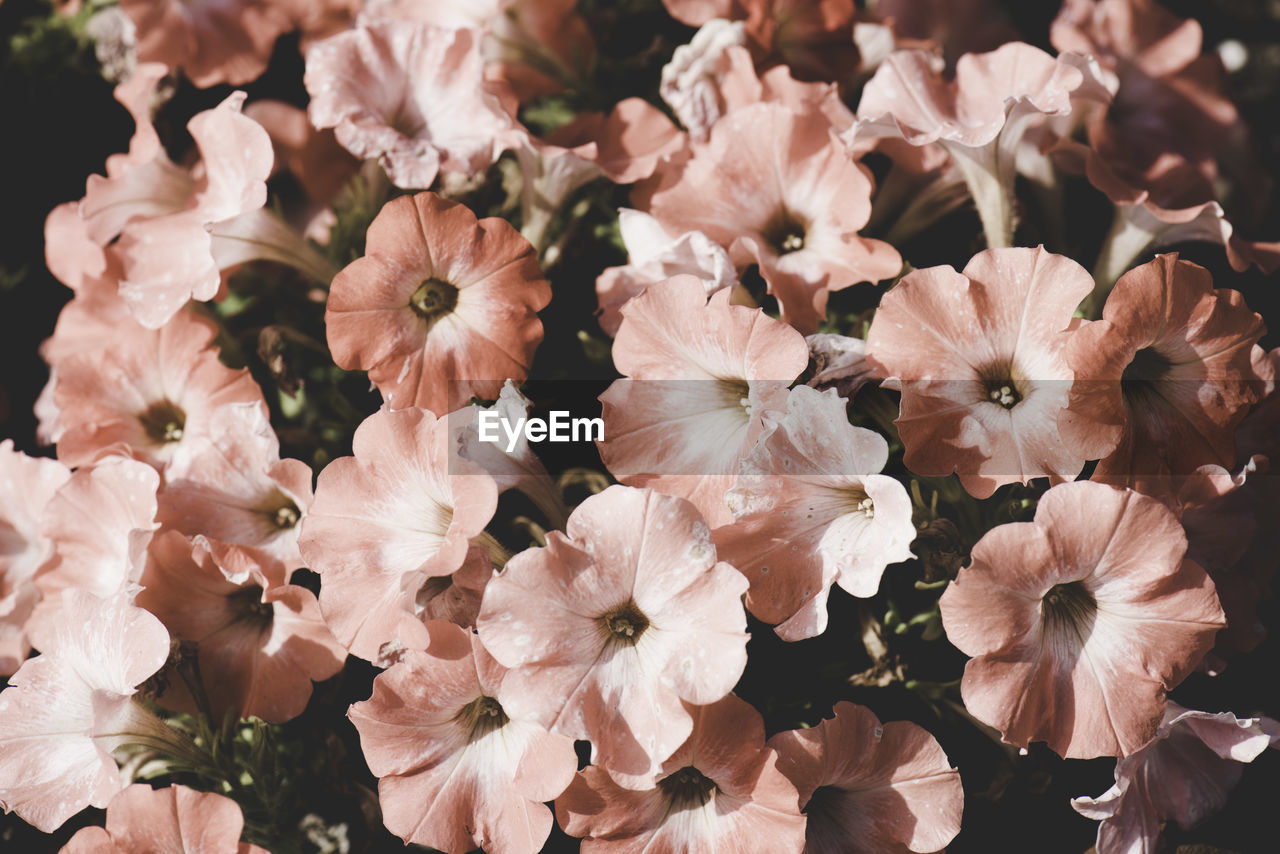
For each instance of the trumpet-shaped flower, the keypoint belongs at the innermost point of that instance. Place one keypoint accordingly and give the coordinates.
(441, 308)
(410, 94)
(1184, 774)
(980, 358)
(1168, 371)
(609, 630)
(721, 790)
(458, 768)
(773, 188)
(260, 640)
(810, 509)
(889, 786)
(979, 117)
(387, 521)
(1080, 621)
(66, 710)
(700, 378)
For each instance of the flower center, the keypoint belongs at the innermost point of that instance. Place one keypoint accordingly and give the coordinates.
(785, 232)
(1003, 392)
(1147, 368)
(687, 787)
(625, 624)
(861, 503)
(163, 422)
(1071, 606)
(286, 516)
(248, 607)
(433, 299)
(482, 716)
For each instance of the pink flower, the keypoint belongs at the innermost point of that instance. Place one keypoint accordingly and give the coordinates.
(26, 486)
(1164, 147)
(65, 711)
(172, 820)
(814, 37)
(810, 510)
(154, 392)
(888, 786)
(533, 46)
(772, 187)
(610, 629)
(261, 641)
(721, 790)
(654, 256)
(459, 769)
(177, 228)
(979, 118)
(1167, 370)
(212, 41)
(1183, 774)
(441, 308)
(700, 378)
(100, 522)
(237, 490)
(980, 358)
(384, 522)
(1080, 621)
(411, 95)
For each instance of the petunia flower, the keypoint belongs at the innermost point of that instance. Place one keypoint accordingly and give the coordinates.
(441, 308)
(1080, 621)
(813, 37)
(238, 491)
(979, 117)
(980, 358)
(721, 790)
(1183, 774)
(66, 710)
(211, 41)
(1161, 150)
(888, 786)
(179, 227)
(385, 522)
(810, 510)
(609, 630)
(412, 95)
(154, 392)
(172, 820)
(536, 47)
(1168, 371)
(771, 186)
(691, 83)
(100, 522)
(703, 88)
(654, 255)
(260, 641)
(699, 379)
(458, 769)
(26, 486)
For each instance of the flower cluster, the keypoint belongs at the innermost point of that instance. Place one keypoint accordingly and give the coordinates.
(841, 523)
